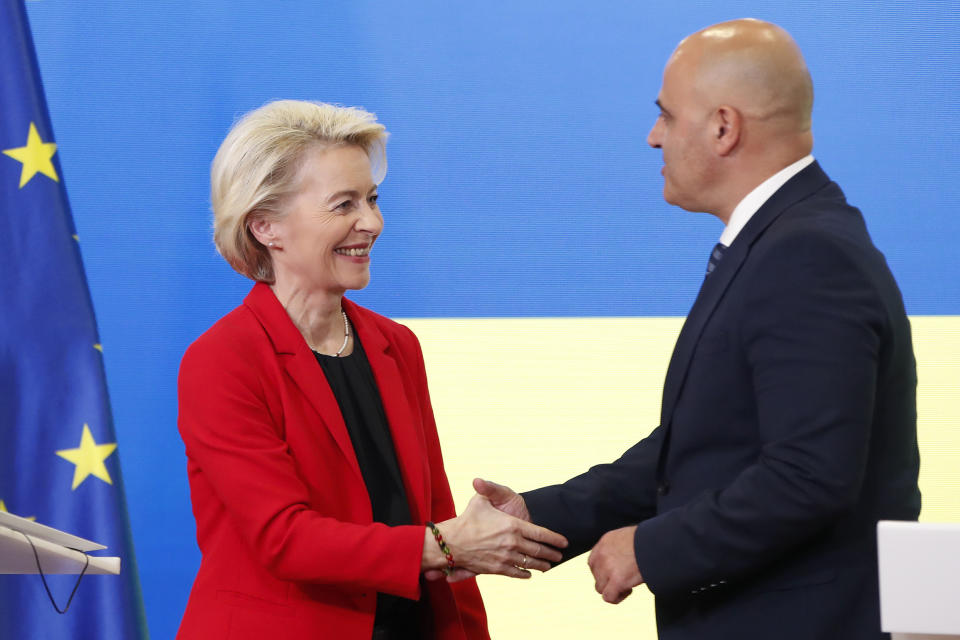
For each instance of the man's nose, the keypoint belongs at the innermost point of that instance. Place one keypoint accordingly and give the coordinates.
(653, 138)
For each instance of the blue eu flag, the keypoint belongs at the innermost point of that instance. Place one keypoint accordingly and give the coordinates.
(58, 454)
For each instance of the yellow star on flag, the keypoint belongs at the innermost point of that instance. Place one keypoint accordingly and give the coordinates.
(3, 508)
(36, 157)
(88, 457)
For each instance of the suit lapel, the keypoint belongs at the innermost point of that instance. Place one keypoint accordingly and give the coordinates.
(711, 291)
(407, 438)
(800, 186)
(302, 367)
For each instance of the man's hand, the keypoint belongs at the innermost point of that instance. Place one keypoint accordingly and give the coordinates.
(614, 565)
(503, 498)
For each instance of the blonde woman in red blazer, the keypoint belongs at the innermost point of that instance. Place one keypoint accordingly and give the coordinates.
(304, 415)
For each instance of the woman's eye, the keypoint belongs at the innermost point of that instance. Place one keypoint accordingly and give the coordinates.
(373, 198)
(346, 205)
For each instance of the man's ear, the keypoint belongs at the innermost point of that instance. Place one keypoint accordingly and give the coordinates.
(726, 126)
(264, 231)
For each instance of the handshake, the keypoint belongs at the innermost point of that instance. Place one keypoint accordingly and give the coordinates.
(494, 535)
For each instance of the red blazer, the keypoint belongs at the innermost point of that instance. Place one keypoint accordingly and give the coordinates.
(284, 522)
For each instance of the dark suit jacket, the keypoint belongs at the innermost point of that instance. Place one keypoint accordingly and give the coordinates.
(284, 521)
(788, 428)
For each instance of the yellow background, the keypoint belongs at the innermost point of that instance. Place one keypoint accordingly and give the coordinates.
(533, 401)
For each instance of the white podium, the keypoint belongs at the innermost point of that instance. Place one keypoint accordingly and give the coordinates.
(919, 580)
(58, 552)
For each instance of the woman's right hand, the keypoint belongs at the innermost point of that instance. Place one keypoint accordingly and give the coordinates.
(484, 539)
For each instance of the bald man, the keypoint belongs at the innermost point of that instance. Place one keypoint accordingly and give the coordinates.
(788, 423)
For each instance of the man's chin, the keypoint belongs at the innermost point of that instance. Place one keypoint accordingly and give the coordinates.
(671, 198)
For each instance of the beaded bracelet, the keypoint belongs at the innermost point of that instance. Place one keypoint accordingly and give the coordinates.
(443, 548)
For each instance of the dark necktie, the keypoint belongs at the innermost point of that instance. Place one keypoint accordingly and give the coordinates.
(715, 256)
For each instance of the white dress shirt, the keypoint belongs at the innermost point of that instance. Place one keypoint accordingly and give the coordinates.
(755, 199)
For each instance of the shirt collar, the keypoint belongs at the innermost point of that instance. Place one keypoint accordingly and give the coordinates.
(755, 199)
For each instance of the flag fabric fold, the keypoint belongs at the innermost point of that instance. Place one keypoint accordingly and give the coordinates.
(59, 461)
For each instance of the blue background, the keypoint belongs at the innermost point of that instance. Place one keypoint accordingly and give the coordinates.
(520, 182)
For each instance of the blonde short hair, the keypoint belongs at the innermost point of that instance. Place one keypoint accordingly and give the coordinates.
(256, 168)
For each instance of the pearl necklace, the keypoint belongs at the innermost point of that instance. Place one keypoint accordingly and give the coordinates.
(346, 336)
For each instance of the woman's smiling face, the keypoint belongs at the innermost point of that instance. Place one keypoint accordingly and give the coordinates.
(331, 222)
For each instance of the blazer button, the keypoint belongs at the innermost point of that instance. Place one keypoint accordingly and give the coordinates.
(663, 488)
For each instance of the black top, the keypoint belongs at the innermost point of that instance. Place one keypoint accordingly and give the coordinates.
(355, 389)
